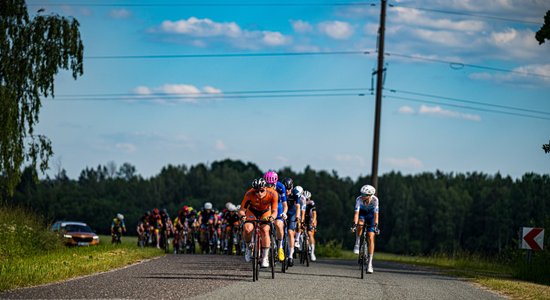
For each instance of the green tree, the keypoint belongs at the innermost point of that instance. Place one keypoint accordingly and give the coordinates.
(32, 51)
(544, 32)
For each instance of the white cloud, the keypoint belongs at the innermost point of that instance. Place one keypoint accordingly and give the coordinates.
(283, 160)
(336, 29)
(350, 158)
(440, 112)
(211, 90)
(411, 16)
(406, 163)
(202, 28)
(406, 110)
(187, 92)
(126, 147)
(220, 145)
(206, 31)
(300, 26)
(143, 90)
(522, 75)
(271, 38)
(120, 13)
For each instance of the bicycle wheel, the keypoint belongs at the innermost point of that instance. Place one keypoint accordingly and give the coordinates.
(362, 258)
(284, 264)
(255, 257)
(306, 250)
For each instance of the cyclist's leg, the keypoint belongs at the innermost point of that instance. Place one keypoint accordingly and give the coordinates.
(311, 234)
(358, 232)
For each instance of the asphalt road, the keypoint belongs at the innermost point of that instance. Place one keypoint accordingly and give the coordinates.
(223, 277)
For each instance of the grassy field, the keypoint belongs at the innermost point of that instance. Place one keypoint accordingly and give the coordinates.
(31, 255)
(488, 274)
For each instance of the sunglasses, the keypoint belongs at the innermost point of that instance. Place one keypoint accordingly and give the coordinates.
(260, 191)
(364, 195)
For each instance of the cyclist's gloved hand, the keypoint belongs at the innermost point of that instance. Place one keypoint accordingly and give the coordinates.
(353, 227)
(284, 216)
(376, 229)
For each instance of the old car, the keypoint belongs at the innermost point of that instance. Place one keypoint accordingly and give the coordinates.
(76, 233)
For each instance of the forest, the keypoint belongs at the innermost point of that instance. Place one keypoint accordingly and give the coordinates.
(419, 214)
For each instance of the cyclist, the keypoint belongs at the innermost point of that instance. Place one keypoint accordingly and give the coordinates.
(117, 227)
(231, 220)
(155, 224)
(208, 222)
(294, 208)
(366, 211)
(310, 222)
(299, 217)
(259, 203)
(272, 180)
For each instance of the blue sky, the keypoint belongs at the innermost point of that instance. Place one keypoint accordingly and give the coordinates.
(466, 87)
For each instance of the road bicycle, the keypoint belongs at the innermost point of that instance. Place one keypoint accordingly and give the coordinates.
(304, 251)
(364, 248)
(256, 247)
(284, 263)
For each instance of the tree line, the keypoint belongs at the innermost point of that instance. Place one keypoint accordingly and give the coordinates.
(419, 214)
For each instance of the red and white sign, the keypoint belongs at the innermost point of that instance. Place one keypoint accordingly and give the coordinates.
(532, 238)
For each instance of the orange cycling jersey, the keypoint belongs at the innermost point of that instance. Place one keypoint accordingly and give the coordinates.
(257, 205)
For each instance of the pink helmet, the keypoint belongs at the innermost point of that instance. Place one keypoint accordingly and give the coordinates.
(271, 177)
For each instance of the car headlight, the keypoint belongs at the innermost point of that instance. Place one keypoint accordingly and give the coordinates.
(96, 237)
(67, 236)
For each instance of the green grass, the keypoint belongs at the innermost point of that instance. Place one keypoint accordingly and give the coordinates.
(498, 277)
(31, 255)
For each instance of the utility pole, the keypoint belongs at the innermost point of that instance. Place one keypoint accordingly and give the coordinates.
(379, 82)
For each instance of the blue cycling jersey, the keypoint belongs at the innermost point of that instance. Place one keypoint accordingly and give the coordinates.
(367, 210)
(281, 190)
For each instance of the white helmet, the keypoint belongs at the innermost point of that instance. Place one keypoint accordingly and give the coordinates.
(307, 194)
(207, 205)
(232, 207)
(228, 205)
(120, 216)
(298, 190)
(368, 190)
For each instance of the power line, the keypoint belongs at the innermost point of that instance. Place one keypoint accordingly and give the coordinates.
(226, 55)
(468, 101)
(468, 14)
(469, 107)
(362, 90)
(204, 96)
(458, 65)
(208, 4)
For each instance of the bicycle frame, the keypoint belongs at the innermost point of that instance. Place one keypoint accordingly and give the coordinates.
(363, 249)
(256, 248)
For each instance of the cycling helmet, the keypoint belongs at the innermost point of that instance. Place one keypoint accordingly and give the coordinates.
(120, 216)
(207, 205)
(228, 205)
(297, 191)
(258, 183)
(185, 207)
(288, 183)
(164, 211)
(368, 190)
(307, 194)
(147, 213)
(155, 211)
(232, 208)
(271, 177)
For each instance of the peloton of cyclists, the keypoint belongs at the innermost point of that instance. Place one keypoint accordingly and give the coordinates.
(259, 203)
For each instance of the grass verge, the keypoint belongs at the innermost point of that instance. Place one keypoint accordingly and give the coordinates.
(30, 254)
(493, 276)
(65, 263)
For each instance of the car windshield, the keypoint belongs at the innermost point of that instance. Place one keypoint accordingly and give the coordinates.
(78, 228)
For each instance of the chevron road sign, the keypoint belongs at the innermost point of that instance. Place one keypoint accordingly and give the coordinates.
(532, 238)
